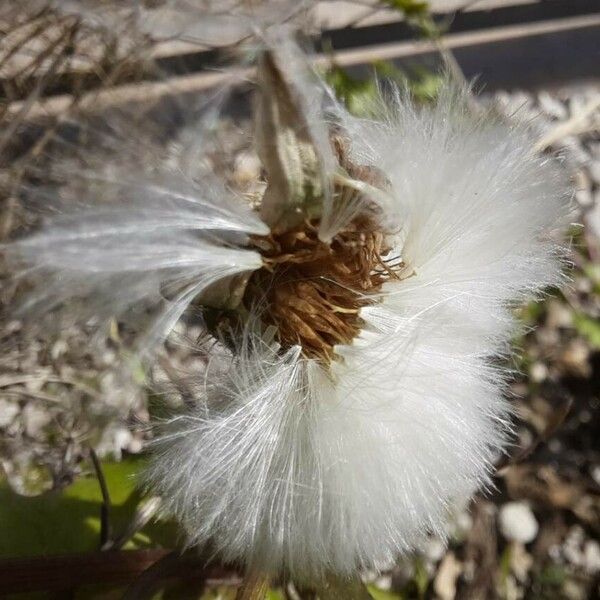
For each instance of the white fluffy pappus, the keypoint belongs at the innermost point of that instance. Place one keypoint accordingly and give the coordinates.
(162, 240)
(290, 467)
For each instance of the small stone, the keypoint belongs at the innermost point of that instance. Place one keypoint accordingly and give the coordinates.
(445, 581)
(520, 562)
(518, 523)
(59, 348)
(8, 411)
(573, 546)
(511, 589)
(575, 358)
(538, 372)
(526, 437)
(595, 473)
(583, 285)
(35, 419)
(591, 556)
(573, 590)
(555, 446)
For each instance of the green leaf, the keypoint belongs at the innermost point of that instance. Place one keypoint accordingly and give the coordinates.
(68, 520)
(589, 328)
(424, 84)
(359, 95)
(410, 8)
(383, 594)
(362, 97)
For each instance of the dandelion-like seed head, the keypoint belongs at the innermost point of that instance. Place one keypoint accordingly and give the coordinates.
(364, 302)
(312, 290)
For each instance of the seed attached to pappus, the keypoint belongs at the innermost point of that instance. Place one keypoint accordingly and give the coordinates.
(352, 395)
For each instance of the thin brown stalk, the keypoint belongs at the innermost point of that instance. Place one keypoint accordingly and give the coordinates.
(33, 97)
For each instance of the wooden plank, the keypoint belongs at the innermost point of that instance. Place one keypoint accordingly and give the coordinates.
(395, 51)
(177, 58)
(502, 15)
(502, 57)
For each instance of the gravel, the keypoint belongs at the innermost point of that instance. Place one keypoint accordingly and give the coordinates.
(518, 523)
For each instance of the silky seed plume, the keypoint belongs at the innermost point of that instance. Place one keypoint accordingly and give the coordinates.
(353, 395)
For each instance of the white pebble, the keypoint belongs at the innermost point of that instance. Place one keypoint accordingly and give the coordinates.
(35, 418)
(595, 472)
(573, 546)
(518, 523)
(591, 554)
(8, 411)
(538, 372)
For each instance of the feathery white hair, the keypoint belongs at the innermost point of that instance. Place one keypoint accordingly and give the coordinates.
(133, 234)
(288, 467)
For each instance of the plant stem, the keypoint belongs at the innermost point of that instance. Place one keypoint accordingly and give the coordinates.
(105, 529)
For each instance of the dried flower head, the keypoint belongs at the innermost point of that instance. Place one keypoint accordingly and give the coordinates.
(354, 396)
